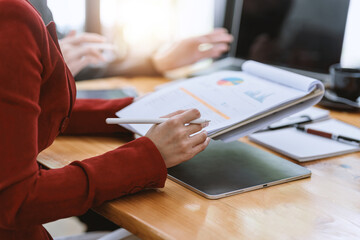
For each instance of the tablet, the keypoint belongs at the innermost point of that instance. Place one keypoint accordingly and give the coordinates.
(225, 169)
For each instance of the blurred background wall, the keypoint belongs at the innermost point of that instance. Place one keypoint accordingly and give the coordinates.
(142, 25)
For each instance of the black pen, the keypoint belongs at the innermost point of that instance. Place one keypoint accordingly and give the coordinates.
(329, 135)
(289, 123)
(300, 120)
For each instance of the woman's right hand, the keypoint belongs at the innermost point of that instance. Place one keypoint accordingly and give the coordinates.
(191, 50)
(173, 140)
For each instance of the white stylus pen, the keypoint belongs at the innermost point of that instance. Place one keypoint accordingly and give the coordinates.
(147, 120)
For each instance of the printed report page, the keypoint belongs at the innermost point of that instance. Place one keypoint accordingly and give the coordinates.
(225, 98)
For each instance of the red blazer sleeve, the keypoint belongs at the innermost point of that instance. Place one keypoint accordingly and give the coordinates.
(30, 196)
(88, 116)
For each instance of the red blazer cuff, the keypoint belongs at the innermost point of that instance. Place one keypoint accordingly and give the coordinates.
(126, 170)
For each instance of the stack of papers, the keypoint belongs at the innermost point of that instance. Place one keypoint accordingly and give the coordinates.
(237, 103)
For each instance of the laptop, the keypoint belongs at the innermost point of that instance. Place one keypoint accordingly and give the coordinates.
(303, 36)
(226, 169)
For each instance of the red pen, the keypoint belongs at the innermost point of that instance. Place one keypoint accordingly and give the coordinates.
(329, 135)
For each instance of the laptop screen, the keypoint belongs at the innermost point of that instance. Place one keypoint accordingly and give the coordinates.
(300, 34)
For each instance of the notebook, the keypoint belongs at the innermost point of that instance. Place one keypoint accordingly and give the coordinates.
(237, 103)
(224, 169)
(303, 146)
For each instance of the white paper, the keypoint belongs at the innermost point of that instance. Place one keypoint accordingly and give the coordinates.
(303, 146)
(311, 113)
(225, 98)
(280, 76)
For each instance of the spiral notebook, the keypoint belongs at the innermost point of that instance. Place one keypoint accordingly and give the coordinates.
(237, 103)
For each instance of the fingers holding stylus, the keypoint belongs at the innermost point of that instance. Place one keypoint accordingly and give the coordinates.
(198, 140)
(176, 139)
(185, 117)
(173, 114)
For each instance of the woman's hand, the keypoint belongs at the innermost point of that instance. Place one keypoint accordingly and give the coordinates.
(191, 50)
(173, 140)
(78, 51)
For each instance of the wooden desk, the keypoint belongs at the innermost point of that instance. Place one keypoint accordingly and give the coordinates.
(325, 206)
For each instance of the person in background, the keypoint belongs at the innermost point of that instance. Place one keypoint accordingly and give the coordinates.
(79, 55)
(37, 103)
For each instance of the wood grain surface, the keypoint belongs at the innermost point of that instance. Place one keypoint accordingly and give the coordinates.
(325, 206)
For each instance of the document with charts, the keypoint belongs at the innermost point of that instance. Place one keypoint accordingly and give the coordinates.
(237, 102)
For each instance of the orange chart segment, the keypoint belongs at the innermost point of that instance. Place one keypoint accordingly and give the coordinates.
(205, 103)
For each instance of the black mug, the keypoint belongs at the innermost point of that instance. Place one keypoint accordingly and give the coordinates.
(345, 82)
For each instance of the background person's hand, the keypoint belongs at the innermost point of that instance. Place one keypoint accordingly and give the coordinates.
(191, 50)
(78, 51)
(173, 140)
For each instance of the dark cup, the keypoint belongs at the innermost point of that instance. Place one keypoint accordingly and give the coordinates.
(345, 82)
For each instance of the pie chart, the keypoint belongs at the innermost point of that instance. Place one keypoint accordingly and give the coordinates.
(230, 81)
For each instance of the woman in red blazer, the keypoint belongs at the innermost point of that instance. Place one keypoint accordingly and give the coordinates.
(37, 102)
